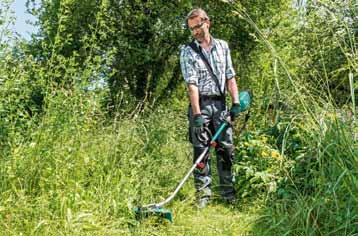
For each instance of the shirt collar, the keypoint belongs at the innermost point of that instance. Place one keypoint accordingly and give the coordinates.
(212, 42)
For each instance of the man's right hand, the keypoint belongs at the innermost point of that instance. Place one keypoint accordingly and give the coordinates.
(199, 129)
(198, 124)
(198, 121)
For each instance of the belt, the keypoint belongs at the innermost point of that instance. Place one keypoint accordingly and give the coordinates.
(211, 97)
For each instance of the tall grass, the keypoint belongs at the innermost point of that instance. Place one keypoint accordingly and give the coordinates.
(73, 175)
(321, 189)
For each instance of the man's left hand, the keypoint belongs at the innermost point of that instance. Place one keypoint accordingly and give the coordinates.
(235, 111)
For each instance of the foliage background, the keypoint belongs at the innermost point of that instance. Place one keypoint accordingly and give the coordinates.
(93, 118)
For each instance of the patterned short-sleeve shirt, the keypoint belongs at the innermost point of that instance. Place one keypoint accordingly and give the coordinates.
(195, 72)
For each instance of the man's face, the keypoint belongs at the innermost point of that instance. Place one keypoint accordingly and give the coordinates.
(198, 27)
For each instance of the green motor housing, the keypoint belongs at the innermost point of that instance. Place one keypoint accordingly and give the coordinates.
(245, 100)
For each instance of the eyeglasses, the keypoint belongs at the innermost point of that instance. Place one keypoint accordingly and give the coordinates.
(198, 26)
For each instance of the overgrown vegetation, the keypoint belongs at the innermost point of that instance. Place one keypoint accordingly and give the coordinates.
(93, 119)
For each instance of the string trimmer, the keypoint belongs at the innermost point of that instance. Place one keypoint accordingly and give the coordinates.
(157, 208)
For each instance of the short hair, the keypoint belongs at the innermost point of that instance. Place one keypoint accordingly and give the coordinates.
(195, 13)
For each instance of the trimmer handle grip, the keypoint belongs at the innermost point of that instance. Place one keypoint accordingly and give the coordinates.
(213, 142)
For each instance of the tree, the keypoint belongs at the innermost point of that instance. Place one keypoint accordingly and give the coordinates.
(136, 43)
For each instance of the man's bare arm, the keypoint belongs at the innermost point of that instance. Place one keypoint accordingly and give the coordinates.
(194, 98)
(233, 90)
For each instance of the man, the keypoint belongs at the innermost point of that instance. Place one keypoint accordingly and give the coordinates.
(207, 102)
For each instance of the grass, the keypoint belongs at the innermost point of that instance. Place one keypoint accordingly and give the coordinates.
(74, 175)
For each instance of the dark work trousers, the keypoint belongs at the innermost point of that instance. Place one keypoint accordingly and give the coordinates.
(211, 110)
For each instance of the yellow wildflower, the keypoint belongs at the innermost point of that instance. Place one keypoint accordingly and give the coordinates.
(276, 155)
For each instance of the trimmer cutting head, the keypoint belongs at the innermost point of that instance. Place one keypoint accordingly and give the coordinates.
(157, 208)
(144, 212)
